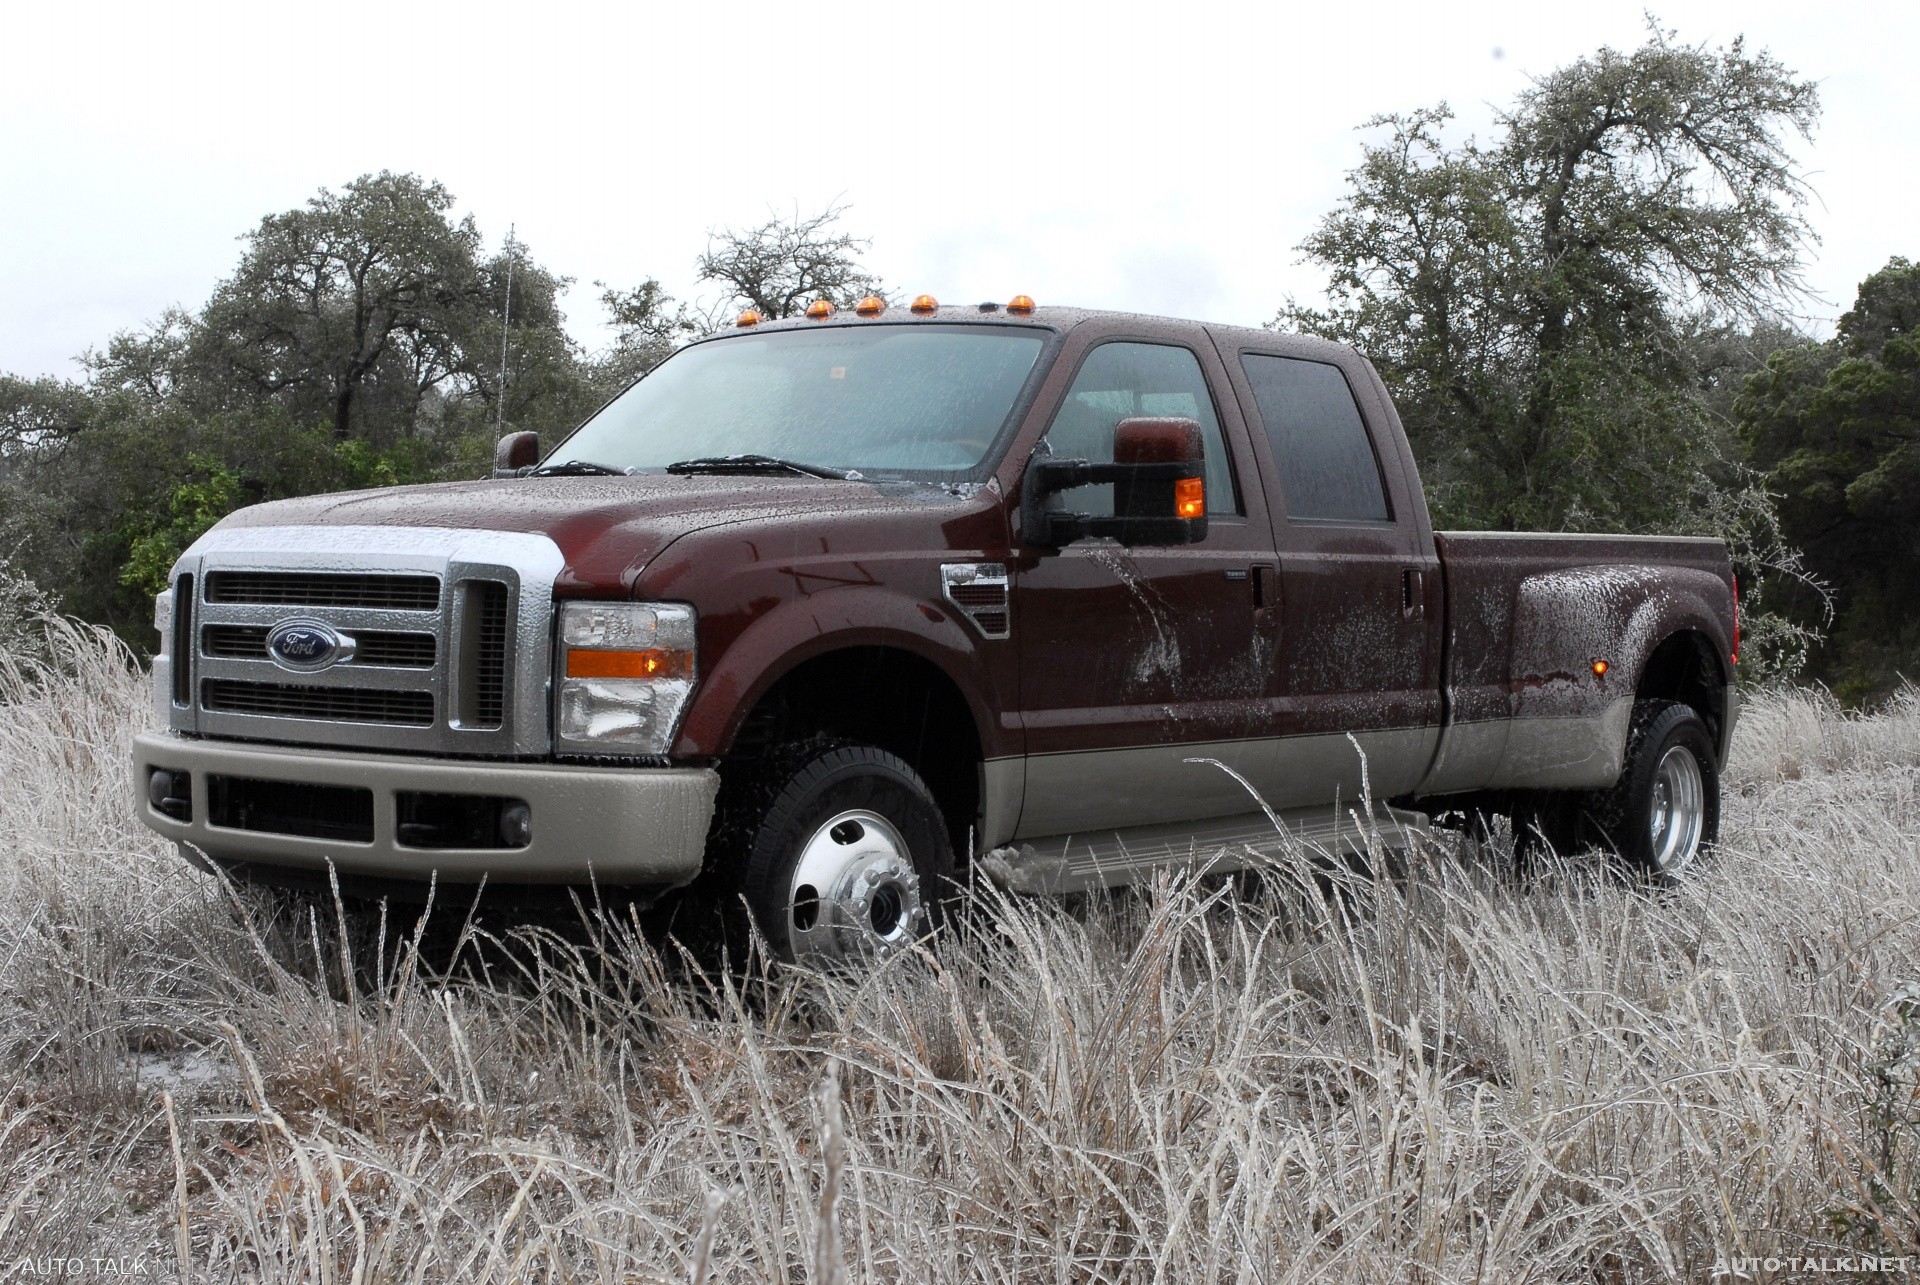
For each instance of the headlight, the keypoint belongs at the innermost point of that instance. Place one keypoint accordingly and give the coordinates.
(626, 671)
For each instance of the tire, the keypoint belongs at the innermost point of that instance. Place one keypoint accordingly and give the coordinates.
(839, 851)
(1663, 815)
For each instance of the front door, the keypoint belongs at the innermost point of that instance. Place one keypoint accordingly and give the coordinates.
(1135, 660)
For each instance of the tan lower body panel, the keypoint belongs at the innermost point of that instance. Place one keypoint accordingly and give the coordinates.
(1112, 858)
(1146, 785)
(617, 826)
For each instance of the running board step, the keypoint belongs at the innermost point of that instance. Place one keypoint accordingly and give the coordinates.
(1114, 858)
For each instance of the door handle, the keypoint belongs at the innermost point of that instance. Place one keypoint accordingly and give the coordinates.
(1413, 594)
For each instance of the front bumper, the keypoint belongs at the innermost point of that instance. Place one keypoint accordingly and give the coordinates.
(616, 826)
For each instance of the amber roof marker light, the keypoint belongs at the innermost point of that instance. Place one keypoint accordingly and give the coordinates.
(748, 318)
(871, 306)
(924, 303)
(820, 309)
(1020, 303)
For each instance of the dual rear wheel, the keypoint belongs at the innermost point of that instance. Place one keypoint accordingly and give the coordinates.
(1660, 818)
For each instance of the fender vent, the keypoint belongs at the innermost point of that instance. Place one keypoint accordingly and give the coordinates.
(980, 591)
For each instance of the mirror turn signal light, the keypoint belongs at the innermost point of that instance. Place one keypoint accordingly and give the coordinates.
(925, 303)
(748, 318)
(1190, 498)
(1020, 303)
(820, 309)
(654, 662)
(871, 306)
(1600, 668)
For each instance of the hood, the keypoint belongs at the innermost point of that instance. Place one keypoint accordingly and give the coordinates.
(607, 528)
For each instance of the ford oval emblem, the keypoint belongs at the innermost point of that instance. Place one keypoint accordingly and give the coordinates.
(307, 645)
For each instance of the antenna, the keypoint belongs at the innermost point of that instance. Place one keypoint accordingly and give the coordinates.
(506, 321)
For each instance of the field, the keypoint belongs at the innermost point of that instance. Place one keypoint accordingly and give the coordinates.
(1453, 1074)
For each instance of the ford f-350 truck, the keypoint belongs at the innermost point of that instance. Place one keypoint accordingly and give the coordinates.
(822, 611)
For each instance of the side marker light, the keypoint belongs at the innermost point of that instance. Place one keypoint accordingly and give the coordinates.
(1600, 669)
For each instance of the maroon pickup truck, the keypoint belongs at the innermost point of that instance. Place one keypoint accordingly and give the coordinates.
(824, 611)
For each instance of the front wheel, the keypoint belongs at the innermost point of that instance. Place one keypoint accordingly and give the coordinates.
(842, 853)
(1664, 813)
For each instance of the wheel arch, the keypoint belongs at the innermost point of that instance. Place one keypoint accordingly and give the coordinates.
(874, 690)
(1685, 666)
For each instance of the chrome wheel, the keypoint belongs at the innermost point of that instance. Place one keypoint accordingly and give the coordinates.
(855, 893)
(1678, 812)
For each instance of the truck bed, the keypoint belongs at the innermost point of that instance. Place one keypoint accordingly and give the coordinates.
(1527, 618)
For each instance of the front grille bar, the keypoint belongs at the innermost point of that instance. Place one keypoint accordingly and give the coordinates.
(329, 704)
(325, 589)
(374, 646)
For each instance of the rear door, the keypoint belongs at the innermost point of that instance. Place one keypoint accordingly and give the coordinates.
(1134, 660)
(1358, 670)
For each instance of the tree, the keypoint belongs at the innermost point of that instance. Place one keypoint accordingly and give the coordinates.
(355, 310)
(648, 325)
(782, 266)
(358, 343)
(1536, 303)
(1836, 427)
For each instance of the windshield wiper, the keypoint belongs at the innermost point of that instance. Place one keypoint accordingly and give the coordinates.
(760, 464)
(579, 468)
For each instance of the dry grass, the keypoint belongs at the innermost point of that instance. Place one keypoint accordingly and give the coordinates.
(1450, 1076)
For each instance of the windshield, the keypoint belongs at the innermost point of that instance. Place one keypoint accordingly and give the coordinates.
(876, 399)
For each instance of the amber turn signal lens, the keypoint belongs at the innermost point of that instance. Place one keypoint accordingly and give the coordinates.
(820, 308)
(1190, 498)
(1600, 669)
(871, 306)
(925, 303)
(748, 318)
(1020, 303)
(654, 662)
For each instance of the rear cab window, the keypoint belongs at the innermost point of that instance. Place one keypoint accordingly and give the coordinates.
(1328, 468)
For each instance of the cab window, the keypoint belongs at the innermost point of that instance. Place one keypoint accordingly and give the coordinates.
(1328, 471)
(1119, 381)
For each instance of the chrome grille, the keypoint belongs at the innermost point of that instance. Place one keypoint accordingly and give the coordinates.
(451, 637)
(327, 589)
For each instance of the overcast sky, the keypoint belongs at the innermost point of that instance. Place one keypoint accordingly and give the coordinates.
(1161, 157)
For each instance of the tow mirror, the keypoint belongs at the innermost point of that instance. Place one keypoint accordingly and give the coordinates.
(1159, 488)
(515, 454)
